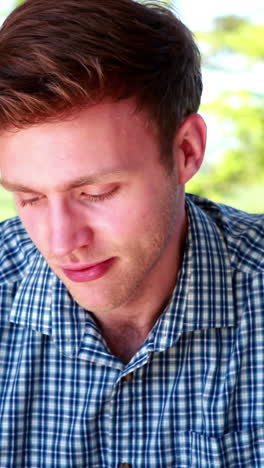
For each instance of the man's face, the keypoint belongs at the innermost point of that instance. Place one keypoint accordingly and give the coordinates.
(97, 202)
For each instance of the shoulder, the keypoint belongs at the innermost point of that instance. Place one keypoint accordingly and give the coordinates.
(16, 250)
(243, 233)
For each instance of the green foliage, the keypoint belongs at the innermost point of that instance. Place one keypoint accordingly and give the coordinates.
(243, 161)
(235, 35)
(241, 118)
(7, 207)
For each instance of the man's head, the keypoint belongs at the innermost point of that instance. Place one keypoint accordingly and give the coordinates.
(97, 101)
(58, 57)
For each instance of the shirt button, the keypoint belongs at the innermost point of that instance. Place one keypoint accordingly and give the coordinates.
(125, 465)
(127, 378)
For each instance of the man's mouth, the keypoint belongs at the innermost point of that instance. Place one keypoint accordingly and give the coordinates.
(90, 272)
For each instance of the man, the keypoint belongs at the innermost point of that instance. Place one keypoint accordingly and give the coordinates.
(132, 317)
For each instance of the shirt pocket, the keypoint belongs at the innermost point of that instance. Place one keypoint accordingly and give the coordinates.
(243, 449)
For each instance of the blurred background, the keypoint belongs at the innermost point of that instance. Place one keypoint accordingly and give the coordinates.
(231, 38)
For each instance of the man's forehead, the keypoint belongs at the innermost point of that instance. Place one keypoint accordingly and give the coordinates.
(87, 149)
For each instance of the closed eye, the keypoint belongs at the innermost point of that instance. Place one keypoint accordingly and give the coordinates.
(98, 197)
(83, 196)
(30, 201)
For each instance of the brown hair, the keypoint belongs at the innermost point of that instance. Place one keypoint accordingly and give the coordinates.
(58, 56)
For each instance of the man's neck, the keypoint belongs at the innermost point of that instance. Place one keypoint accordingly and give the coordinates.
(126, 329)
(124, 341)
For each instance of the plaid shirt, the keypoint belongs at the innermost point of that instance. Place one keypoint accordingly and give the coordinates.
(193, 394)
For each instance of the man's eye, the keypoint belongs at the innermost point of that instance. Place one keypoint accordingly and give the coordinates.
(98, 197)
(84, 196)
(29, 202)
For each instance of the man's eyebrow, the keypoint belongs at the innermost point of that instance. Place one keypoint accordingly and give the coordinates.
(15, 187)
(75, 183)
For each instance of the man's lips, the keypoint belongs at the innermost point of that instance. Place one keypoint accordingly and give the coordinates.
(87, 272)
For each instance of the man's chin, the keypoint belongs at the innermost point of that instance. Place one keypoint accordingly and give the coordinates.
(95, 301)
(95, 296)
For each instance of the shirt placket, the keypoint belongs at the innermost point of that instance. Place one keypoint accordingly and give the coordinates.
(122, 418)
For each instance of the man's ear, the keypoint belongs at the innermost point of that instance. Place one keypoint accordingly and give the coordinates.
(189, 147)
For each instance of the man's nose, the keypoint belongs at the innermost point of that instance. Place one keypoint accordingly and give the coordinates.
(69, 230)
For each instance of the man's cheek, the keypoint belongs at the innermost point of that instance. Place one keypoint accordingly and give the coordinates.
(37, 228)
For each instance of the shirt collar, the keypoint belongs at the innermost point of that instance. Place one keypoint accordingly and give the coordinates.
(210, 297)
(202, 298)
(31, 305)
(203, 295)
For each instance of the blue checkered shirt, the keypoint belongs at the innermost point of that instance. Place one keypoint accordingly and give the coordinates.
(191, 397)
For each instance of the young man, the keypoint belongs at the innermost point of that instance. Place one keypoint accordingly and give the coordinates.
(132, 317)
